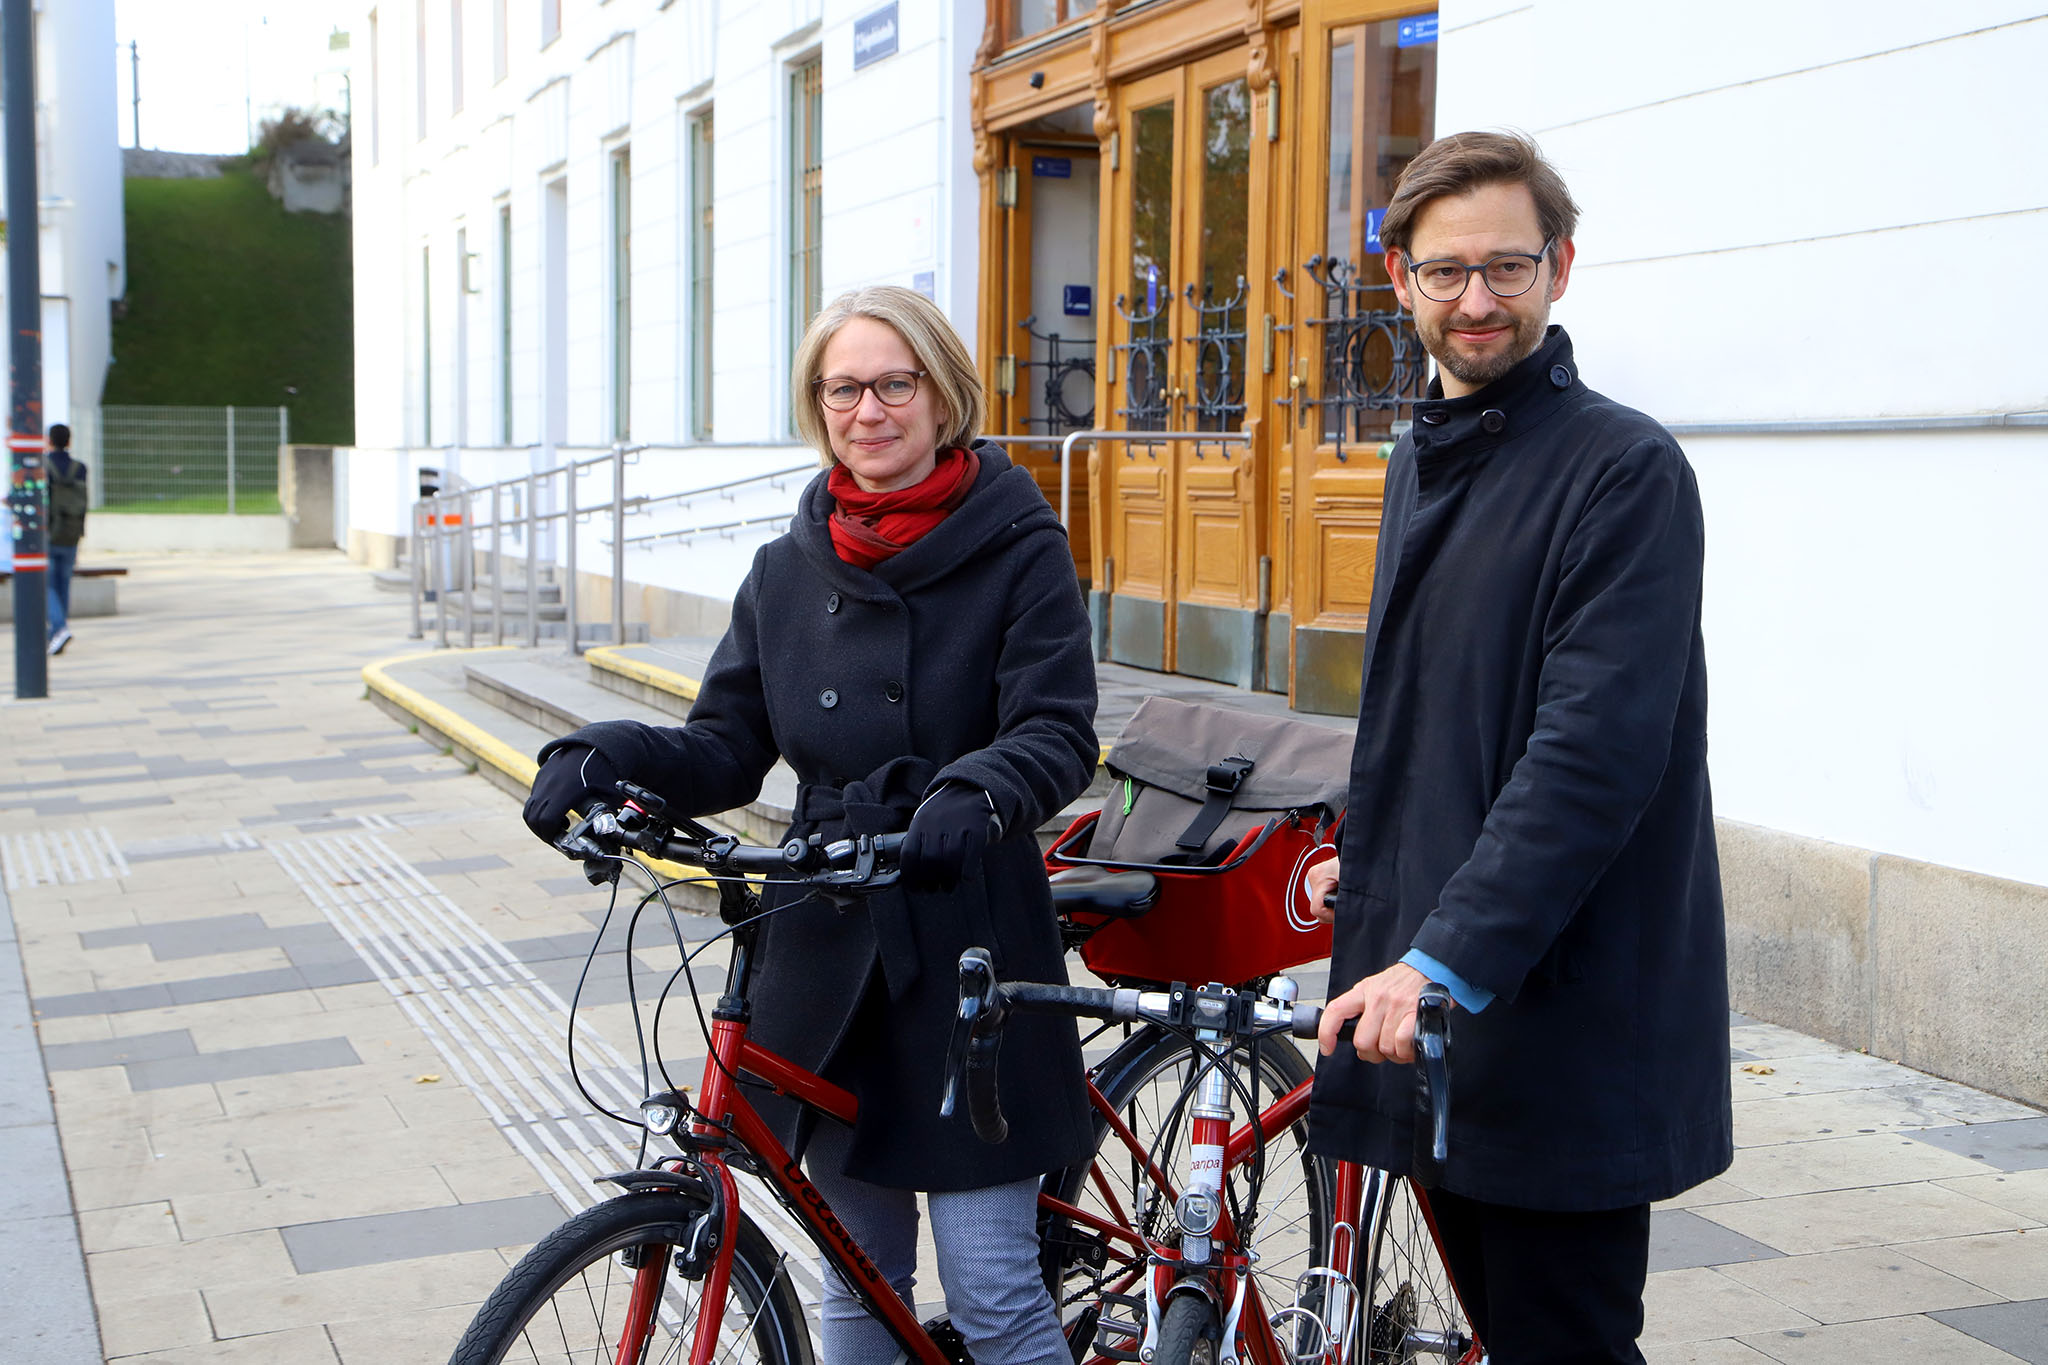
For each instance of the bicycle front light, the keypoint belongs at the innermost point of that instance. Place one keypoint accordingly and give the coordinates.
(661, 1113)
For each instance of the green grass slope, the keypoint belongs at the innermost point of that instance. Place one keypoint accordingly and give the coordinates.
(233, 300)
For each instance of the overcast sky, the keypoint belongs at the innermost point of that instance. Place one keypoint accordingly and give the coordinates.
(199, 91)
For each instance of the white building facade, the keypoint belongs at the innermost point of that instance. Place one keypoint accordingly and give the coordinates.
(80, 240)
(1804, 235)
(580, 224)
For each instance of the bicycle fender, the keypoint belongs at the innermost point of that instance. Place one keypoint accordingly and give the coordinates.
(639, 1181)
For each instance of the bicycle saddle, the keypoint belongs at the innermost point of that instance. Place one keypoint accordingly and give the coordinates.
(1099, 891)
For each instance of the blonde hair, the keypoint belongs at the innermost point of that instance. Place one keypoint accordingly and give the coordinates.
(940, 352)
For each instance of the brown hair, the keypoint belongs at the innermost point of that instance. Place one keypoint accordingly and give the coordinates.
(941, 354)
(1464, 162)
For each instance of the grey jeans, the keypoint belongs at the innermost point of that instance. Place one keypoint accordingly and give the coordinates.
(986, 1242)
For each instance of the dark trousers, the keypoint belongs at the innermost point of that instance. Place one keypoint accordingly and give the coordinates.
(1548, 1287)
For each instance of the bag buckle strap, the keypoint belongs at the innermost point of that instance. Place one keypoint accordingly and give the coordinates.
(1222, 783)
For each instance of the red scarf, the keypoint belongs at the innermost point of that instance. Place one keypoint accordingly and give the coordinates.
(867, 527)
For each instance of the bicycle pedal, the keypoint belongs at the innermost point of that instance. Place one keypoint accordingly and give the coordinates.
(1109, 1330)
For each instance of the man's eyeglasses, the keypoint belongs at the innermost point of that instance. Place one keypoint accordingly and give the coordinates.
(894, 389)
(1509, 275)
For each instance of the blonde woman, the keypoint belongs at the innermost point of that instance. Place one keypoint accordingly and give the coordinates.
(916, 648)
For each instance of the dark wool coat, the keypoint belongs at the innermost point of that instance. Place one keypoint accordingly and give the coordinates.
(965, 657)
(1529, 801)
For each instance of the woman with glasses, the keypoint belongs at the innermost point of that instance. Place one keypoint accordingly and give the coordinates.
(915, 647)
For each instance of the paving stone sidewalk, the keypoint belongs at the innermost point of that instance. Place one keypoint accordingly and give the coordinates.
(296, 980)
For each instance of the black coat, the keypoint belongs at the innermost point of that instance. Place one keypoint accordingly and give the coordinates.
(965, 657)
(1529, 800)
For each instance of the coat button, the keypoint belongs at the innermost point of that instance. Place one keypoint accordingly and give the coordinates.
(894, 691)
(832, 602)
(828, 699)
(1492, 420)
(1560, 376)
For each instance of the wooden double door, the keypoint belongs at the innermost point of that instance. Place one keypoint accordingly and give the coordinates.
(1242, 330)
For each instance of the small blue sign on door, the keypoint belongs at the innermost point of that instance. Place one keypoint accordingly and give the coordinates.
(1372, 230)
(1077, 300)
(1151, 288)
(1415, 31)
(1053, 167)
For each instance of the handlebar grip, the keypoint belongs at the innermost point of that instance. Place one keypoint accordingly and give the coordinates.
(984, 1106)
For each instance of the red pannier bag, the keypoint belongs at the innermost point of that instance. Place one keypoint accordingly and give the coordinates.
(1226, 810)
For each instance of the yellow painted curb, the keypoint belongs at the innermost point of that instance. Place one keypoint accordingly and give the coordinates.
(611, 660)
(486, 746)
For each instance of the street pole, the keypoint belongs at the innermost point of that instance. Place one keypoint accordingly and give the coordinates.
(28, 488)
(135, 90)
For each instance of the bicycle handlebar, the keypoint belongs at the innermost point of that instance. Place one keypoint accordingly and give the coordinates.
(864, 862)
(985, 1006)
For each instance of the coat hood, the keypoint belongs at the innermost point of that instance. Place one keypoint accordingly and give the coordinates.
(1004, 506)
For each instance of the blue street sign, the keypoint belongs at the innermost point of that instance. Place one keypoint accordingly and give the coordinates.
(1054, 167)
(1415, 30)
(1077, 300)
(926, 282)
(1372, 230)
(874, 36)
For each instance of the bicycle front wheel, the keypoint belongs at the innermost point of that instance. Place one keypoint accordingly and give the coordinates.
(573, 1298)
(1097, 1276)
(1412, 1312)
(1188, 1332)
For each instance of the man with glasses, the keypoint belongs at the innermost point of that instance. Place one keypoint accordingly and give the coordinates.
(1530, 822)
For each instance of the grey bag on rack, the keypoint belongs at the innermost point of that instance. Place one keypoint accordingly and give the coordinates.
(1192, 780)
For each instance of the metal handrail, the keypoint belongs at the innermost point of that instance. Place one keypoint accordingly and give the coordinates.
(444, 541)
(1106, 434)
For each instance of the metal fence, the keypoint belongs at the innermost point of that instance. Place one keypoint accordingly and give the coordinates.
(158, 458)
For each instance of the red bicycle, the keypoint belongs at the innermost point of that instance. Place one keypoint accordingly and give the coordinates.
(674, 1268)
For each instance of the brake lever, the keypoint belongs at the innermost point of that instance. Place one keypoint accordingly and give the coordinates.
(581, 843)
(971, 1048)
(1433, 1085)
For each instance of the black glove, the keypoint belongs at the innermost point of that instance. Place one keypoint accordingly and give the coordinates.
(567, 781)
(946, 838)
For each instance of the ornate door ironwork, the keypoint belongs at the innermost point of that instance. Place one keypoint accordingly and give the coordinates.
(1146, 357)
(1219, 359)
(1374, 363)
(1068, 386)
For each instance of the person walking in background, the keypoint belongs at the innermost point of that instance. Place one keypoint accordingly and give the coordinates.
(1530, 821)
(70, 495)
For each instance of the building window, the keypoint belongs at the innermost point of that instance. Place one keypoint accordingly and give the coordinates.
(376, 90)
(1027, 18)
(700, 275)
(550, 21)
(504, 324)
(419, 68)
(806, 197)
(455, 56)
(622, 293)
(500, 44)
(426, 346)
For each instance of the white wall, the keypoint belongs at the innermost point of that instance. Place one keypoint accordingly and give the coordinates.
(81, 253)
(899, 199)
(1780, 204)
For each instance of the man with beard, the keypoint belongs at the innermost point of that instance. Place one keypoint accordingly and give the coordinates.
(1529, 820)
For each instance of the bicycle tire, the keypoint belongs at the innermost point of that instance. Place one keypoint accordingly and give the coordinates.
(1188, 1332)
(1141, 1080)
(566, 1299)
(1410, 1309)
